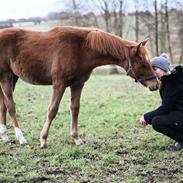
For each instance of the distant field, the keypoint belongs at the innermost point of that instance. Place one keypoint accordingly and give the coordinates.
(128, 31)
(45, 26)
(116, 149)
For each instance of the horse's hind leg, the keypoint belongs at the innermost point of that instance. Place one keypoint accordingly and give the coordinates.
(3, 130)
(75, 105)
(7, 86)
(58, 91)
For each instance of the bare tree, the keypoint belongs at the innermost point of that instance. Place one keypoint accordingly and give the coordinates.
(163, 28)
(180, 28)
(137, 20)
(147, 22)
(168, 29)
(117, 15)
(104, 7)
(116, 19)
(156, 27)
(76, 12)
(121, 2)
(115, 23)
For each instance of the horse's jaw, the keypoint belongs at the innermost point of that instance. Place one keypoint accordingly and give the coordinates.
(154, 87)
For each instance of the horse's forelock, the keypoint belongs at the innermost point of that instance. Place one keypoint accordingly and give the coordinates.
(145, 54)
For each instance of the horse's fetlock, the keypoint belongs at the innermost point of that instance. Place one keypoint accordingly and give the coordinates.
(74, 135)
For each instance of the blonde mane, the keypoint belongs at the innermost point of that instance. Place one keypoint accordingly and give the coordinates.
(107, 43)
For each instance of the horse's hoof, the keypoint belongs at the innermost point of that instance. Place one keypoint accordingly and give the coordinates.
(19, 136)
(78, 142)
(44, 146)
(22, 141)
(5, 139)
(3, 133)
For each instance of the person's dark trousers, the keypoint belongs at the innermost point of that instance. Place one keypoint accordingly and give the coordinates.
(170, 125)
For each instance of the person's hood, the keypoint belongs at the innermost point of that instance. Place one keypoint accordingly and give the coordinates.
(176, 73)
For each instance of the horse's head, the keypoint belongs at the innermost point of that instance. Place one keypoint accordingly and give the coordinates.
(139, 66)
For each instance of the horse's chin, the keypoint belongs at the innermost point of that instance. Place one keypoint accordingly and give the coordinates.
(153, 87)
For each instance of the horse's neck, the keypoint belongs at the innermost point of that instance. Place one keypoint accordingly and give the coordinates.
(109, 60)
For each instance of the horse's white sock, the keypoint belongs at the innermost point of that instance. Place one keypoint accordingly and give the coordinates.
(19, 136)
(3, 133)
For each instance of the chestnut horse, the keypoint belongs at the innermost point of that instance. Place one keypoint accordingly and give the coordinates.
(63, 57)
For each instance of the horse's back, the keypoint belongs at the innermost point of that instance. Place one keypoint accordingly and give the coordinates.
(37, 56)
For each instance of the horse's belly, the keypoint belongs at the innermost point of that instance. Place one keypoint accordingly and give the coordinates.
(33, 75)
(36, 81)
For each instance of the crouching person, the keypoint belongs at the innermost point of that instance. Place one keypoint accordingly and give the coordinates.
(168, 118)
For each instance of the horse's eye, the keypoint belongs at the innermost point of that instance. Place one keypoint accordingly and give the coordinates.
(143, 66)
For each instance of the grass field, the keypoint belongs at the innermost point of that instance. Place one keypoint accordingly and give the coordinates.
(116, 149)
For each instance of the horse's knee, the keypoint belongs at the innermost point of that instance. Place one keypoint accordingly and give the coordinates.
(52, 111)
(74, 109)
(10, 105)
(11, 111)
(3, 111)
(2, 108)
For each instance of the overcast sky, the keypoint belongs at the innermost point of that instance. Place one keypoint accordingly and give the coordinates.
(26, 8)
(30, 8)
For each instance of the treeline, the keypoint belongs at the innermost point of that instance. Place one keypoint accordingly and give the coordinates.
(161, 21)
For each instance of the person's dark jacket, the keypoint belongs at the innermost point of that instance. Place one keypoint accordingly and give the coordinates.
(171, 93)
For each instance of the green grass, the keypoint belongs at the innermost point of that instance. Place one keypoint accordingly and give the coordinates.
(116, 149)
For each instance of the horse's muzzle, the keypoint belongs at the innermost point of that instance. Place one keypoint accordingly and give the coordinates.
(155, 87)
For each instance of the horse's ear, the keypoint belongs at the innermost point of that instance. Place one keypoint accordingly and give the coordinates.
(138, 48)
(141, 44)
(144, 41)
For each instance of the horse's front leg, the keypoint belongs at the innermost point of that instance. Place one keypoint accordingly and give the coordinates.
(74, 107)
(3, 129)
(57, 94)
(7, 89)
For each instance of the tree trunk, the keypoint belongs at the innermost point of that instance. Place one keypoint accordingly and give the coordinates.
(76, 13)
(168, 30)
(181, 57)
(116, 30)
(163, 29)
(136, 20)
(106, 16)
(137, 25)
(156, 27)
(121, 18)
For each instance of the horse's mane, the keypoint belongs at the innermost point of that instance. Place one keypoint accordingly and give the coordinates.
(107, 43)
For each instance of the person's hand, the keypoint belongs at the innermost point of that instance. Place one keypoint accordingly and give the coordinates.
(142, 122)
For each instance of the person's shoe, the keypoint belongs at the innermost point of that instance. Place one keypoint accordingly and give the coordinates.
(176, 147)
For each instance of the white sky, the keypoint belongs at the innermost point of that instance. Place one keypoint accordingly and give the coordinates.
(26, 8)
(30, 8)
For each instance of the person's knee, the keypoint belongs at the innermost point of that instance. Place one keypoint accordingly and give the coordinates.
(156, 121)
